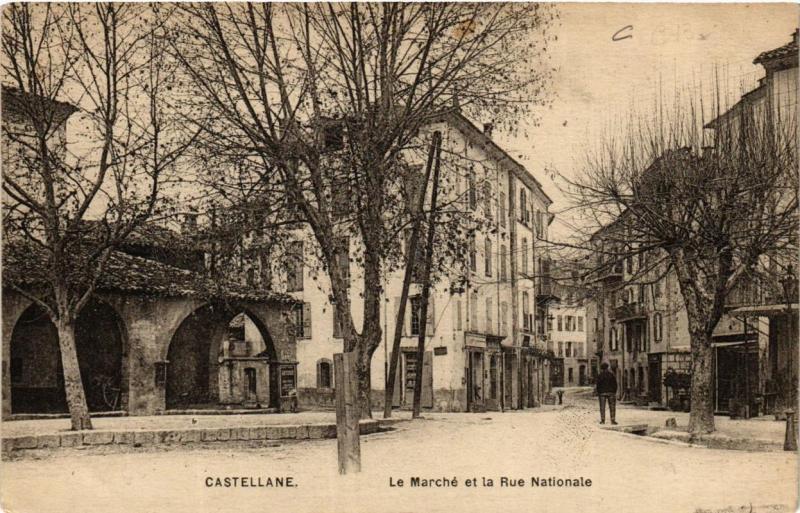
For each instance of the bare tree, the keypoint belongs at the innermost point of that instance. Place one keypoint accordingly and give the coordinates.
(330, 97)
(719, 217)
(73, 204)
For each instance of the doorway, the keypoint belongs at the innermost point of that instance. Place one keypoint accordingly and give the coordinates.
(654, 378)
(475, 399)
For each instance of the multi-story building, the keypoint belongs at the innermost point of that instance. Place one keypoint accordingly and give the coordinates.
(566, 328)
(567, 340)
(482, 350)
(638, 319)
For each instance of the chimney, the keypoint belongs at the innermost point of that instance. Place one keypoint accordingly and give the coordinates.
(795, 35)
(487, 129)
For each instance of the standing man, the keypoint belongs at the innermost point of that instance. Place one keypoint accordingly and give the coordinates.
(607, 391)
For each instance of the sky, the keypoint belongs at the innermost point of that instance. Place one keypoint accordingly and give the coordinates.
(599, 81)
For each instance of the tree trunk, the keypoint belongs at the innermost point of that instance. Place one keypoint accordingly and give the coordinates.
(701, 416)
(364, 381)
(73, 385)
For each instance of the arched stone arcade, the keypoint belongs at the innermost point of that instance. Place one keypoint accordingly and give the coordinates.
(224, 356)
(35, 371)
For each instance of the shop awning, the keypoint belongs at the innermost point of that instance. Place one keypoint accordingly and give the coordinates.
(773, 310)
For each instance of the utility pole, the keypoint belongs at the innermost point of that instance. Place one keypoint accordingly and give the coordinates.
(411, 254)
(426, 277)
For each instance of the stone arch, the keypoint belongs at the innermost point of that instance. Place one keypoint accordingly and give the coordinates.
(197, 348)
(36, 376)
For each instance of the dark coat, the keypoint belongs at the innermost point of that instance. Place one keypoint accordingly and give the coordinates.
(606, 382)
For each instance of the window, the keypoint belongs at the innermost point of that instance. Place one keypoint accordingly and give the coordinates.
(302, 320)
(487, 199)
(560, 323)
(526, 319)
(569, 323)
(503, 268)
(569, 350)
(458, 314)
(657, 289)
(487, 258)
(657, 327)
(489, 323)
(580, 323)
(523, 205)
(504, 318)
(473, 258)
(473, 312)
(560, 349)
(294, 267)
(324, 373)
(337, 324)
(501, 203)
(612, 339)
(549, 323)
(570, 375)
(333, 136)
(416, 304)
(472, 193)
(343, 258)
(540, 225)
(524, 256)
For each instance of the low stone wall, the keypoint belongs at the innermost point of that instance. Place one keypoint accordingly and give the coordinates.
(143, 438)
(316, 398)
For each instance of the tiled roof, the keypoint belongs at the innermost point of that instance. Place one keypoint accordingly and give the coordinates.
(20, 103)
(25, 265)
(786, 50)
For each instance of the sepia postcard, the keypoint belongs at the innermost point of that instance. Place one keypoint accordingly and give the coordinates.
(399, 257)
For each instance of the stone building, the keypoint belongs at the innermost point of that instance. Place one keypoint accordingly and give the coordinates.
(482, 349)
(567, 329)
(639, 320)
(155, 336)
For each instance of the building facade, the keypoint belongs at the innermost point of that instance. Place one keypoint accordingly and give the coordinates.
(638, 319)
(482, 351)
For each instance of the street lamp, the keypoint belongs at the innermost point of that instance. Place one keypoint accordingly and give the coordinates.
(789, 284)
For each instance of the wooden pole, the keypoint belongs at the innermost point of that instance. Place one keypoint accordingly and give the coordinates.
(426, 279)
(347, 413)
(411, 254)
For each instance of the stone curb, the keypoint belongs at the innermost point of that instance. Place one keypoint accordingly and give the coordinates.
(152, 437)
(711, 441)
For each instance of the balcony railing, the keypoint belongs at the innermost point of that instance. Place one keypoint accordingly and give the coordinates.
(629, 312)
(545, 289)
(610, 272)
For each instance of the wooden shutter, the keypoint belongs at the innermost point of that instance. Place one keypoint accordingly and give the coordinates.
(343, 251)
(430, 324)
(299, 268)
(306, 320)
(427, 380)
(337, 331)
